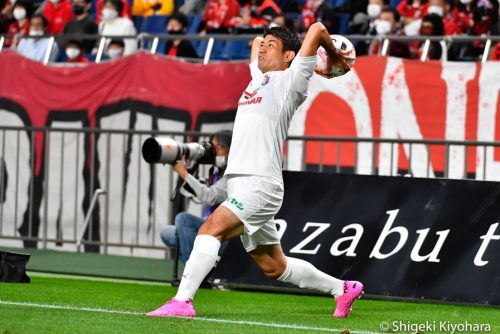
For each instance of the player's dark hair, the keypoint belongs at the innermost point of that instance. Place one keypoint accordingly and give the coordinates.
(290, 40)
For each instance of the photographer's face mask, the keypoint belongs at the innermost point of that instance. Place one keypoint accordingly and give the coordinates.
(220, 161)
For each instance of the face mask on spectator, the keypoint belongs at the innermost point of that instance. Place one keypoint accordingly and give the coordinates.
(220, 161)
(115, 53)
(109, 14)
(465, 2)
(383, 27)
(78, 10)
(34, 32)
(174, 32)
(436, 10)
(374, 10)
(72, 53)
(19, 13)
(413, 28)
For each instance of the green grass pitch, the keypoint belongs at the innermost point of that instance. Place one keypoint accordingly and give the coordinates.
(55, 304)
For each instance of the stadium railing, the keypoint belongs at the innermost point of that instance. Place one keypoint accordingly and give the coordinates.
(41, 207)
(205, 44)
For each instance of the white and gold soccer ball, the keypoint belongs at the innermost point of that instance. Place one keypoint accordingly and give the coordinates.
(345, 46)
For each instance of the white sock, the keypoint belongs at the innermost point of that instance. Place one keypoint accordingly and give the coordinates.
(201, 261)
(305, 275)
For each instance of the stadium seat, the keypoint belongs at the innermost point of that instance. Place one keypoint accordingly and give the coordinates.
(217, 49)
(138, 19)
(336, 3)
(236, 50)
(394, 3)
(194, 22)
(343, 21)
(154, 24)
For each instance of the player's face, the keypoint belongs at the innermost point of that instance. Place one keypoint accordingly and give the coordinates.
(271, 55)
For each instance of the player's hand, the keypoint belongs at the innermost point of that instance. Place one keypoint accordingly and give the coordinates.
(180, 168)
(337, 65)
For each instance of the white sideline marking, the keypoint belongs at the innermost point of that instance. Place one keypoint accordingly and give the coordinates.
(224, 321)
(96, 279)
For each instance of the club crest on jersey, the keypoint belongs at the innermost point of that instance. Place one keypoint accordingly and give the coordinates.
(266, 80)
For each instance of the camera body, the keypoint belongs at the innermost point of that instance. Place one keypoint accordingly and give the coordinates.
(167, 150)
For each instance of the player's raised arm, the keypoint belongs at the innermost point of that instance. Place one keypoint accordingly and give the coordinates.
(255, 48)
(317, 36)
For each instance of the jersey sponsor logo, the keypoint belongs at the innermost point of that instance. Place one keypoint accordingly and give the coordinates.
(233, 201)
(248, 95)
(255, 100)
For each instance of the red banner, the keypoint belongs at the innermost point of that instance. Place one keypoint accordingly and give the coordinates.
(381, 98)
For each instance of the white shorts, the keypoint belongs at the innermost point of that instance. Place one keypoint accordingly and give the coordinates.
(255, 200)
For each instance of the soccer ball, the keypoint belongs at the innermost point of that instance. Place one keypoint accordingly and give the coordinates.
(342, 44)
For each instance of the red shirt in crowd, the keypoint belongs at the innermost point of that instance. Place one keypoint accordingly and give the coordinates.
(463, 18)
(495, 54)
(126, 11)
(57, 15)
(218, 13)
(80, 59)
(412, 11)
(309, 11)
(451, 27)
(15, 29)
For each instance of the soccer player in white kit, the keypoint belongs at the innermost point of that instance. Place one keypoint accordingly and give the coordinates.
(280, 78)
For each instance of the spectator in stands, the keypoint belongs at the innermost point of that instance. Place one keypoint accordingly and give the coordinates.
(6, 7)
(211, 195)
(152, 7)
(363, 23)
(113, 25)
(125, 12)
(177, 25)
(195, 7)
(321, 11)
(283, 21)
(248, 22)
(36, 48)
(115, 49)
(432, 25)
(463, 14)
(443, 9)
(495, 53)
(74, 52)
(83, 23)
(219, 14)
(58, 13)
(389, 24)
(411, 10)
(20, 25)
(265, 10)
(485, 17)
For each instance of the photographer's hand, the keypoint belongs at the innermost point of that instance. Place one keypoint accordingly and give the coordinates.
(181, 168)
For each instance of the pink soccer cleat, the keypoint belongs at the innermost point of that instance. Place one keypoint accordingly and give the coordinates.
(352, 291)
(174, 308)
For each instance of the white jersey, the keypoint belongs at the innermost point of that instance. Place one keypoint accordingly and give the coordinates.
(264, 113)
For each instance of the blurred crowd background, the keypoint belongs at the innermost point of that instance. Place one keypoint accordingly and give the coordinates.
(25, 25)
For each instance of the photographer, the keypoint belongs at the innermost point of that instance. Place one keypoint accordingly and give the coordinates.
(211, 195)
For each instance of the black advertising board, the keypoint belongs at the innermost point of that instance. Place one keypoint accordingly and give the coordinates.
(435, 239)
